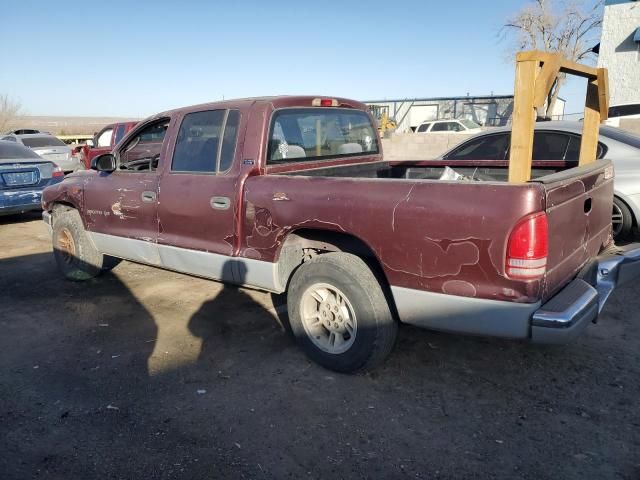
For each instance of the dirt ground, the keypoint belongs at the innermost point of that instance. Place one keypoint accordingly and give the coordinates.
(144, 374)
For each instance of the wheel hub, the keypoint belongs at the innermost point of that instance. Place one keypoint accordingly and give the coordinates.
(66, 245)
(328, 318)
(616, 220)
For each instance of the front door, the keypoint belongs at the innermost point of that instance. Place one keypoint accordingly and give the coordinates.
(198, 189)
(122, 207)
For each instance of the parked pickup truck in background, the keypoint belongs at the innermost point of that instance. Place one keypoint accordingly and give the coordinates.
(104, 141)
(292, 194)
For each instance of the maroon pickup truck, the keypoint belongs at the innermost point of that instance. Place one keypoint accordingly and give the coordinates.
(291, 194)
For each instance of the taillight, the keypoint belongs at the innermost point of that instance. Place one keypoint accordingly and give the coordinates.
(57, 172)
(528, 248)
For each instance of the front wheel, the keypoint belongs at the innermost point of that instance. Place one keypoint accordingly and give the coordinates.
(75, 255)
(339, 314)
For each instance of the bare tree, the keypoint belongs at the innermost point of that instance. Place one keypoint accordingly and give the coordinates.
(565, 27)
(9, 110)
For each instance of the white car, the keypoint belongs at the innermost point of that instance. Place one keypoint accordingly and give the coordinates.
(623, 111)
(48, 147)
(462, 125)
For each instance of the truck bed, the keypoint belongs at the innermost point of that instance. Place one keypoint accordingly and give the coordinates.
(441, 236)
(490, 170)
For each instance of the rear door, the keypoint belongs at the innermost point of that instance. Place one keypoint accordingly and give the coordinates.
(578, 204)
(199, 195)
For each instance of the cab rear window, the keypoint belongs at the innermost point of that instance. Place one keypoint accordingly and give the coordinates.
(320, 133)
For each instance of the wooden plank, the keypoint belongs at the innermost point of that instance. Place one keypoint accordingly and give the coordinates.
(590, 125)
(566, 66)
(546, 78)
(603, 93)
(523, 122)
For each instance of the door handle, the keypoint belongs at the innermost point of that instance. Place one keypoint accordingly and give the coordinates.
(220, 203)
(148, 197)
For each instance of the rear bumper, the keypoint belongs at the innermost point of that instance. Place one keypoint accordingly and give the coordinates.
(19, 201)
(559, 320)
(568, 313)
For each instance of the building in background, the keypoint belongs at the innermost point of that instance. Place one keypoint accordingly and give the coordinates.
(488, 110)
(619, 50)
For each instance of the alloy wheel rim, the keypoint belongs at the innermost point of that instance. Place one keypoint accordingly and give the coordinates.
(328, 318)
(616, 220)
(66, 245)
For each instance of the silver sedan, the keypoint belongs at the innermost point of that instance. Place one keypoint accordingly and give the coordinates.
(48, 147)
(560, 142)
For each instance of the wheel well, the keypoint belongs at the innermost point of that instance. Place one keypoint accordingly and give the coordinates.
(59, 207)
(305, 244)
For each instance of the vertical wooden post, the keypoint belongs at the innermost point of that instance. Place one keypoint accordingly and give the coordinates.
(523, 121)
(591, 124)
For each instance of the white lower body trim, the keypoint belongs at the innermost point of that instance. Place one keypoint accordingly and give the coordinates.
(240, 271)
(475, 316)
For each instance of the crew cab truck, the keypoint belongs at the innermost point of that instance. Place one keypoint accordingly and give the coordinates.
(292, 194)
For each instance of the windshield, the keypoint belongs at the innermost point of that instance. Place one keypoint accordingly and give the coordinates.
(469, 123)
(11, 151)
(37, 142)
(621, 136)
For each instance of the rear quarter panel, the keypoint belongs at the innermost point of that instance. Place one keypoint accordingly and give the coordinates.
(443, 237)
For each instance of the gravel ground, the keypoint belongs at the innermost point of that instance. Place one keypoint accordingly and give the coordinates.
(150, 374)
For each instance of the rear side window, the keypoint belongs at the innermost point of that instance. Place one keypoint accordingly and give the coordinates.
(206, 141)
(573, 151)
(104, 139)
(440, 127)
(446, 127)
(549, 146)
(320, 133)
(119, 133)
(424, 127)
(38, 142)
(487, 147)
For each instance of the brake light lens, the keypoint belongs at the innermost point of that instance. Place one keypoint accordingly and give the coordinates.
(57, 172)
(528, 248)
(324, 102)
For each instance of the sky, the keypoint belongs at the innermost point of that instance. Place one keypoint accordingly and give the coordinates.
(137, 58)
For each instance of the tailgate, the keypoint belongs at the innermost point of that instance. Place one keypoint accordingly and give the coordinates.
(578, 206)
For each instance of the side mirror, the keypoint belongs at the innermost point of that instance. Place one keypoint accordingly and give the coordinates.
(104, 163)
(89, 143)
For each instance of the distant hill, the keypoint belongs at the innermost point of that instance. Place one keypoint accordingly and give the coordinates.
(66, 125)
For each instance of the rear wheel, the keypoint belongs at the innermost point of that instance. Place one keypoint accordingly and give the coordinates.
(621, 221)
(75, 255)
(339, 313)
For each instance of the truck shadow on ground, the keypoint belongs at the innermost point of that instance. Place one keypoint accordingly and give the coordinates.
(252, 403)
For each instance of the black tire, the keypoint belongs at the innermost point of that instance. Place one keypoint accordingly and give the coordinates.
(75, 255)
(376, 329)
(622, 221)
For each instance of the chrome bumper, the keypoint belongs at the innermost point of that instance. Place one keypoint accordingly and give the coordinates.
(564, 316)
(48, 220)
